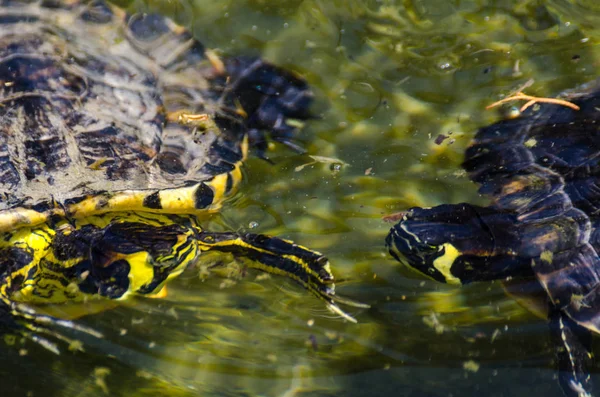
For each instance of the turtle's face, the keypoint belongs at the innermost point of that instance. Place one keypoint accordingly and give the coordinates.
(106, 255)
(139, 257)
(459, 243)
(407, 242)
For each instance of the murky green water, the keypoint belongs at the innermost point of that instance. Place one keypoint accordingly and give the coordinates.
(390, 76)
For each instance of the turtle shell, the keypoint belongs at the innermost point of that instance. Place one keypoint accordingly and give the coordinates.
(544, 169)
(103, 111)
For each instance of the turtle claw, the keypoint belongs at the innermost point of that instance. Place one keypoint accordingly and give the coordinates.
(332, 304)
(31, 325)
(336, 310)
(349, 302)
(32, 317)
(43, 342)
(327, 293)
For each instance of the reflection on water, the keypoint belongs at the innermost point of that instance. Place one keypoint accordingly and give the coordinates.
(401, 88)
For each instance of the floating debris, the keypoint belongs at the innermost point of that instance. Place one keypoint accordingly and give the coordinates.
(471, 366)
(395, 217)
(433, 322)
(495, 335)
(532, 100)
(322, 160)
(440, 138)
(312, 342)
(100, 374)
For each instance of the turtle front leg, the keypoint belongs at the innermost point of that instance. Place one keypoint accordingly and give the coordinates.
(573, 347)
(278, 256)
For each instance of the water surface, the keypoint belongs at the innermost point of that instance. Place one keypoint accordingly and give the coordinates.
(390, 77)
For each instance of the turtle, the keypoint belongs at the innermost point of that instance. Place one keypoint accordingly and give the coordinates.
(119, 134)
(541, 172)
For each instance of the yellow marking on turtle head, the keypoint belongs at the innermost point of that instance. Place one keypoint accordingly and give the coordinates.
(142, 265)
(444, 263)
(141, 270)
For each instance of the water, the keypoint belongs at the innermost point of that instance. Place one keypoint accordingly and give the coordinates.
(390, 77)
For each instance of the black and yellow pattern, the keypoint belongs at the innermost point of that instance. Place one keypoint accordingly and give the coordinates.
(118, 133)
(112, 256)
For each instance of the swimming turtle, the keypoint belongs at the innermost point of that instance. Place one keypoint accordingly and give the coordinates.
(118, 133)
(541, 171)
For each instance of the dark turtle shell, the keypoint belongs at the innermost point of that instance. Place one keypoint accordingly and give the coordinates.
(541, 172)
(544, 169)
(94, 102)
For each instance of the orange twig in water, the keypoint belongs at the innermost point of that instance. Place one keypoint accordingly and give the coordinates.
(531, 100)
(395, 217)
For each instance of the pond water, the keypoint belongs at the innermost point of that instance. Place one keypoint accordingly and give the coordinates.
(389, 77)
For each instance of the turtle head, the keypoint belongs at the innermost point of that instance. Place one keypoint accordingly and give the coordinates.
(138, 257)
(457, 243)
(419, 242)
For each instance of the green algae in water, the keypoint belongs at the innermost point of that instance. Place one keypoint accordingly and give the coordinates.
(401, 87)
